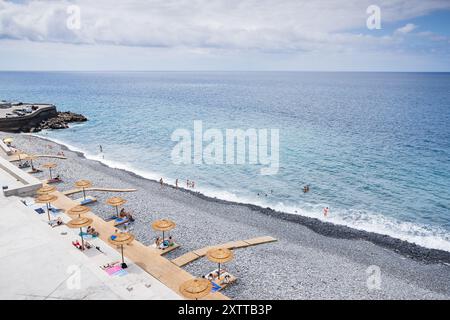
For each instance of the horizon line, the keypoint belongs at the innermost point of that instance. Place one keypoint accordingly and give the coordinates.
(218, 70)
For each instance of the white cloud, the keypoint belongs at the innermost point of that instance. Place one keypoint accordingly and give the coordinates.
(264, 25)
(406, 28)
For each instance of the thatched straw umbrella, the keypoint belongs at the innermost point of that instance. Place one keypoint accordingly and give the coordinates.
(47, 199)
(163, 225)
(46, 189)
(195, 288)
(31, 158)
(83, 184)
(49, 166)
(219, 255)
(116, 202)
(121, 239)
(78, 211)
(80, 223)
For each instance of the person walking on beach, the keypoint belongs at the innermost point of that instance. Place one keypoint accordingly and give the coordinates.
(176, 183)
(325, 211)
(101, 148)
(161, 181)
(187, 183)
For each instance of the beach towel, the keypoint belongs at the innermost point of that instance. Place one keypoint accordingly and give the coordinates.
(39, 210)
(116, 271)
(120, 221)
(87, 201)
(215, 287)
(87, 235)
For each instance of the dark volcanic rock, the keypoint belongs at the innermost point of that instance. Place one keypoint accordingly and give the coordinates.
(61, 121)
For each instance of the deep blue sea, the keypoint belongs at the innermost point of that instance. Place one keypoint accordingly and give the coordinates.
(374, 147)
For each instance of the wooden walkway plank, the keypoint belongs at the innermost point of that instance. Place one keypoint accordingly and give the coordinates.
(73, 191)
(196, 254)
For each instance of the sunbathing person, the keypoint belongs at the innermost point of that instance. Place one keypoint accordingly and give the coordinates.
(56, 223)
(92, 231)
(123, 214)
(158, 241)
(226, 279)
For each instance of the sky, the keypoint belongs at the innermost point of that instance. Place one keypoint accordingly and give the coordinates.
(291, 35)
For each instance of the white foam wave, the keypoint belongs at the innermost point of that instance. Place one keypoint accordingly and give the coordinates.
(426, 236)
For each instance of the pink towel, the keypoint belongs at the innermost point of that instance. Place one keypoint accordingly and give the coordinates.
(113, 270)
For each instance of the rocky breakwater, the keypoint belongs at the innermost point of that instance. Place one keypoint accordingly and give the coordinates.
(60, 121)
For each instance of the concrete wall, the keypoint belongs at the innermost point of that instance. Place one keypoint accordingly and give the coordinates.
(26, 185)
(17, 124)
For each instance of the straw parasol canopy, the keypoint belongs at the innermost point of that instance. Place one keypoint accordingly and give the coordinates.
(46, 189)
(163, 225)
(49, 165)
(47, 199)
(121, 239)
(79, 222)
(219, 255)
(82, 184)
(196, 288)
(116, 202)
(78, 210)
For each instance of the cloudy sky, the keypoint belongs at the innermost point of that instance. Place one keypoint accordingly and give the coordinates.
(224, 35)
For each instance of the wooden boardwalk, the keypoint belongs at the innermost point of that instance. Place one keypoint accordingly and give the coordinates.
(145, 257)
(196, 254)
(15, 157)
(73, 191)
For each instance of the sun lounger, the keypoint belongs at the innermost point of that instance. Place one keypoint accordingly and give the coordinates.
(86, 201)
(120, 221)
(87, 235)
(165, 250)
(221, 283)
(54, 180)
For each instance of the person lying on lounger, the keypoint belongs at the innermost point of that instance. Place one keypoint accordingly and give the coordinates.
(226, 279)
(24, 165)
(92, 231)
(56, 223)
(123, 214)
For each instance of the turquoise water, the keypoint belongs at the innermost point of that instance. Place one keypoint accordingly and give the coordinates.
(374, 147)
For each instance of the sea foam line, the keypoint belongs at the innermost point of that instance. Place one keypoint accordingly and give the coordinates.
(426, 236)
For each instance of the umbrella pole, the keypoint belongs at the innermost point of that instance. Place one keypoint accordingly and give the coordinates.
(117, 211)
(163, 236)
(124, 265)
(82, 240)
(50, 169)
(84, 194)
(32, 166)
(48, 211)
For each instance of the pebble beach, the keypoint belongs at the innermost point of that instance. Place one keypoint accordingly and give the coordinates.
(311, 259)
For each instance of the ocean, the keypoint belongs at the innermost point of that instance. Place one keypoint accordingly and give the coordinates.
(373, 147)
